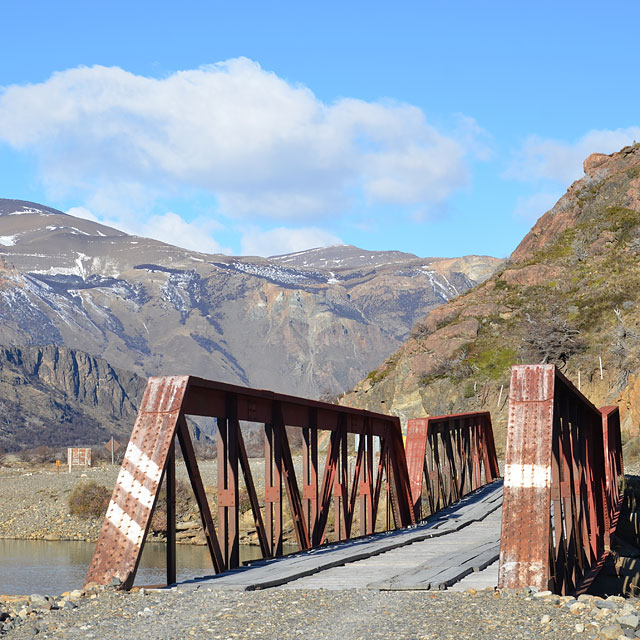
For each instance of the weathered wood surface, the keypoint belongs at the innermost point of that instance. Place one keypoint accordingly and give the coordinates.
(388, 570)
(449, 568)
(381, 560)
(478, 580)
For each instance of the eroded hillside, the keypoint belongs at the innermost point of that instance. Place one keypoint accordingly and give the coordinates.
(569, 294)
(59, 397)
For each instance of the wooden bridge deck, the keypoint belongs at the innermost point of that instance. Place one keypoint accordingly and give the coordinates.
(456, 548)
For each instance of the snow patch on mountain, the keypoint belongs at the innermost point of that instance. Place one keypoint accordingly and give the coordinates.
(444, 290)
(59, 271)
(279, 275)
(183, 291)
(29, 210)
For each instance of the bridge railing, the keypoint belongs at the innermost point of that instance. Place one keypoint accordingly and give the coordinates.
(612, 458)
(560, 489)
(326, 503)
(447, 458)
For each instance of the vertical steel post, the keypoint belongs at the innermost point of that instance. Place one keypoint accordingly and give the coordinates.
(228, 519)
(272, 491)
(555, 473)
(524, 550)
(310, 469)
(170, 486)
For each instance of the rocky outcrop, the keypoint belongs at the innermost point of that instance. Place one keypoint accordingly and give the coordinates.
(60, 397)
(569, 294)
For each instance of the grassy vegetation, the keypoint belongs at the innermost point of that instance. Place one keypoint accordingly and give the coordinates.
(622, 221)
(379, 374)
(600, 265)
(469, 390)
(561, 249)
(376, 376)
(492, 363)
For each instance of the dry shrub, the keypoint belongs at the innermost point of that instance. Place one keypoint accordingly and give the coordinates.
(631, 450)
(89, 500)
(159, 521)
(39, 455)
(184, 500)
(244, 502)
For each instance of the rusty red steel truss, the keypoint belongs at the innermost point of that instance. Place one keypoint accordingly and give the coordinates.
(563, 460)
(447, 458)
(613, 460)
(339, 485)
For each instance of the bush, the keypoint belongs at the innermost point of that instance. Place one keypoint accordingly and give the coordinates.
(159, 520)
(244, 502)
(89, 500)
(184, 501)
(39, 455)
(469, 391)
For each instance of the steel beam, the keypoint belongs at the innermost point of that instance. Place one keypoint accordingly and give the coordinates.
(558, 488)
(448, 457)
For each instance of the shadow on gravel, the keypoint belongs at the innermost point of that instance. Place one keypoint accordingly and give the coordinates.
(621, 572)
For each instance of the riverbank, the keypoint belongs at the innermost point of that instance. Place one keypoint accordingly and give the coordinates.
(315, 615)
(33, 503)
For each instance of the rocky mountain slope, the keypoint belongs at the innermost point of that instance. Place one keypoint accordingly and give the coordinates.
(309, 324)
(55, 396)
(569, 294)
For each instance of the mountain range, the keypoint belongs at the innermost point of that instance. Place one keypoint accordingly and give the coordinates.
(311, 323)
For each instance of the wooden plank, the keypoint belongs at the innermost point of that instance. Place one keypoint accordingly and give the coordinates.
(453, 575)
(447, 569)
(275, 572)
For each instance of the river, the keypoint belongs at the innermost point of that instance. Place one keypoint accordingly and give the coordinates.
(38, 566)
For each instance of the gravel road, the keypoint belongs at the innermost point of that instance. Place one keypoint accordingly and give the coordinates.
(349, 614)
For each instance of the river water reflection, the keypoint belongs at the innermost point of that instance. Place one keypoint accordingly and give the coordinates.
(38, 566)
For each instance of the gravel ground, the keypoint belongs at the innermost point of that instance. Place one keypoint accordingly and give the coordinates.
(33, 502)
(33, 505)
(349, 614)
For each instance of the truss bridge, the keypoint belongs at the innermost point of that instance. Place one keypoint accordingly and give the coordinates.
(367, 509)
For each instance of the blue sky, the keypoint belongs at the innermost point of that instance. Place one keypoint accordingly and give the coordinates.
(254, 127)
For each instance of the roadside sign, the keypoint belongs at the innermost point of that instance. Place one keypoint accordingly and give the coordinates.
(78, 456)
(113, 445)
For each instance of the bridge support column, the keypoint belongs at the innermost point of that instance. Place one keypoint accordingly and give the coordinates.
(559, 498)
(524, 557)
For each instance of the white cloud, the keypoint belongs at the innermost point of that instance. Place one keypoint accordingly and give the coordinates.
(532, 207)
(474, 138)
(256, 242)
(83, 212)
(260, 145)
(561, 161)
(169, 228)
(173, 229)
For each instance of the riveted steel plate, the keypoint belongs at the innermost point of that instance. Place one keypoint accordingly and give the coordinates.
(128, 516)
(524, 551)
